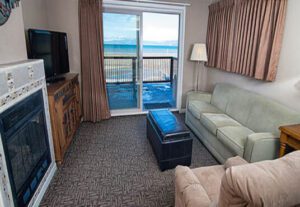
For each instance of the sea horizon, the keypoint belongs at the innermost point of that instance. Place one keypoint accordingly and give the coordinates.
(148, 50)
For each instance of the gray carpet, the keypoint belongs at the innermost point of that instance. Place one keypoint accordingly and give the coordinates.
(112, 164)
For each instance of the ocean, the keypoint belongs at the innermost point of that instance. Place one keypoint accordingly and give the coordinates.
(148, 50)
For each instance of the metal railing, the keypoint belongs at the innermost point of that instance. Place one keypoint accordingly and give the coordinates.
(125, 69)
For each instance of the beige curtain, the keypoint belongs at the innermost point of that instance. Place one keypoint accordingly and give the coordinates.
(220, 34)
(94, 96)
(244, 36)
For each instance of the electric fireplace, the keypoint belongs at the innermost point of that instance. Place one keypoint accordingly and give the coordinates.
(26, 149)
(25, 142)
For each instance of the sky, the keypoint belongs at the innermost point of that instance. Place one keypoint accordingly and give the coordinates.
(157, 28)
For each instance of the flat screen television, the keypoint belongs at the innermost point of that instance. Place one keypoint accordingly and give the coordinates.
(52, 47)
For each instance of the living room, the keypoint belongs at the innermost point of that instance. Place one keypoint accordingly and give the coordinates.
(149, 103)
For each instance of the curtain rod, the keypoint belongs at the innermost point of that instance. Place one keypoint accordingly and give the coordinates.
(158, 2)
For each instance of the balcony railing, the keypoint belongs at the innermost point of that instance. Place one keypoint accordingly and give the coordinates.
(125, 69)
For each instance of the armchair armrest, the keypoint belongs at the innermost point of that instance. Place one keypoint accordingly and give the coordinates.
(198, 95)
(234, 161)
(188, 190)
(261, 146)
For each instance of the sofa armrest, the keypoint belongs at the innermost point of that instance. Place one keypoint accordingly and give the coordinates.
(188, 190)
(261, 146)
(234, 161)
(198, 95)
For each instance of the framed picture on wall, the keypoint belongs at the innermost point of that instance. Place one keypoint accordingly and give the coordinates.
(5, 9)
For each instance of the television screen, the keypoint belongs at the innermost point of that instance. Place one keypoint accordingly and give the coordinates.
(52, 47)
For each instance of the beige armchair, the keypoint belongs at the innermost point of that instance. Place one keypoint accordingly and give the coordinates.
(238, 183)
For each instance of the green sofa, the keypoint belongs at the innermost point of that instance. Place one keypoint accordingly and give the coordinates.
(232, 121)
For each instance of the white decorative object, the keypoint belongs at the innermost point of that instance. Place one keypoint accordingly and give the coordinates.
(17, 82)
(199, 55)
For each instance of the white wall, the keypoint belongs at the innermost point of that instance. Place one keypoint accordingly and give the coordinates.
(35, 14)
(195, 32)
(286, 88)
(196, 27)
(56, 15)
(12, 39)
(62, 15)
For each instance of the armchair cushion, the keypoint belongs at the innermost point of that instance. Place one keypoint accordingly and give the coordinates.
(210, 179)
(198, 107)
(266, 183)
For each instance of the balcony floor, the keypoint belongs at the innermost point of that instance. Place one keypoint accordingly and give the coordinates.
(155, 95)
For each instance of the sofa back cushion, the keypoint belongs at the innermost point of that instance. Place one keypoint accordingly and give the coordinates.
(254, 111)
(267, 115)
(266, 183)
(221, 96)
(240, 104)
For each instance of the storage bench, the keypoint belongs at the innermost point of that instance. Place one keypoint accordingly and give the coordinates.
(170, 139)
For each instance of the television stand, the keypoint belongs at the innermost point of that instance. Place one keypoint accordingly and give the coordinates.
(65, 113)
(56, 79)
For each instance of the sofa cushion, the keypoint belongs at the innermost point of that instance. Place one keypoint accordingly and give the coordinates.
(214, 121)
(210, 179)
(199, 107)
(271, 116)
(234, 138)
(247, 108)
(240, 104)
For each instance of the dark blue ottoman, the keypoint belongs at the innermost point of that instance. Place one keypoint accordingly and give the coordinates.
(170, 139)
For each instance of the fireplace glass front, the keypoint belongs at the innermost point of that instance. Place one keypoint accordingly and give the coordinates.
(25, 140)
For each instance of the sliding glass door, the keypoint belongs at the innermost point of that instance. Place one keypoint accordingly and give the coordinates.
(122, 59)
(160, 58)
(141, 59)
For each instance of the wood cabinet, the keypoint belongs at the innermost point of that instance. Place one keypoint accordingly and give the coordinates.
(65, 112)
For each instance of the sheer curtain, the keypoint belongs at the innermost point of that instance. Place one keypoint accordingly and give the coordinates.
(244, 36)
(94, 96)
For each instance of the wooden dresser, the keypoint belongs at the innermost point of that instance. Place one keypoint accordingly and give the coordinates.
(65, 112)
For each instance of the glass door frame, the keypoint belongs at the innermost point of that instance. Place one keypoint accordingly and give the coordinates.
(139, 8)
(139, 75)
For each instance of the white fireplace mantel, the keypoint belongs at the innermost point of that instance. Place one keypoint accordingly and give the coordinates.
(18, 81)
